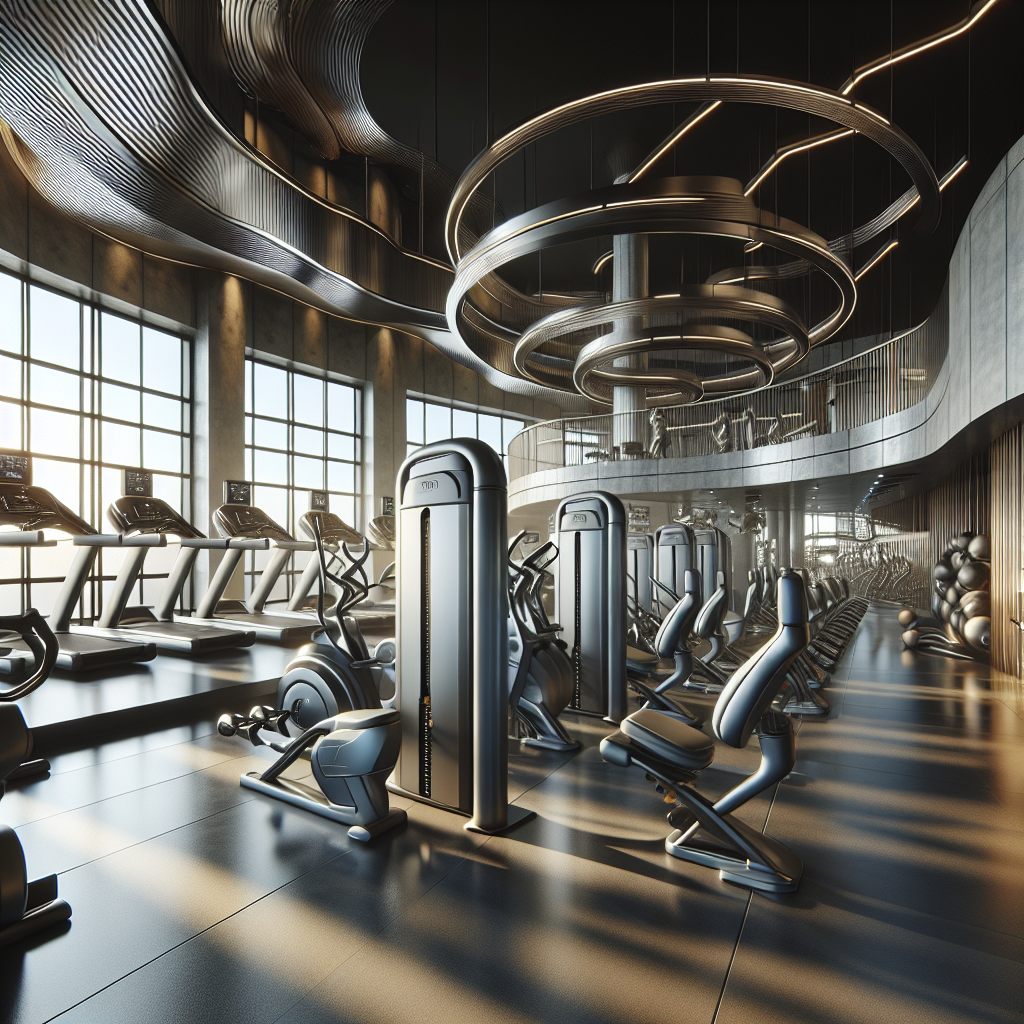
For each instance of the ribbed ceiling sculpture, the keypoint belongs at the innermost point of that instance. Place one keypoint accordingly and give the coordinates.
(105, 122)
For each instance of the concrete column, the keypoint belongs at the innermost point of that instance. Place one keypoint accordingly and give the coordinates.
(218, 408)
(384, 429)
(796, 540)
(629, 281)
(782, 541)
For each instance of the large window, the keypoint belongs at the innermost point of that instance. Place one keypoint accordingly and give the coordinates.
(88, 393)
(302, 433)
(426, 422)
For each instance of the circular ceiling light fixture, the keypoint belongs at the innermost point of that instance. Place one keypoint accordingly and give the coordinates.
(712, 340)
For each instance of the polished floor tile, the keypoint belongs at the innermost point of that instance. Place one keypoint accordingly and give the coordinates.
(196, 900)
(828, 957)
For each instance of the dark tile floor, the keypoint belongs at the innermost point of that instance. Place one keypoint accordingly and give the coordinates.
(196, 900)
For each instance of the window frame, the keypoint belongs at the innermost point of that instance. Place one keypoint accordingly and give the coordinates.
(452, 407)
(93, 468)
(255, 561)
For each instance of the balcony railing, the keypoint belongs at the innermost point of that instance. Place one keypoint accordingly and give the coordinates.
(886, 379)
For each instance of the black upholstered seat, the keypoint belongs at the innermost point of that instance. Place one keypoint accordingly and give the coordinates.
(669, 739)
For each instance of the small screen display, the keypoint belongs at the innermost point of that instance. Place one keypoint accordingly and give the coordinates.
(237, 492)
(16, 467)
(318, 501)
(137, 482)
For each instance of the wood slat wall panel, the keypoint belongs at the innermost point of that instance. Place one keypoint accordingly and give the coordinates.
(1007, 504)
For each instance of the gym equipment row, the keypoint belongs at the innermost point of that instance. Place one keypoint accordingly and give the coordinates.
(123, 634)
(476, 657)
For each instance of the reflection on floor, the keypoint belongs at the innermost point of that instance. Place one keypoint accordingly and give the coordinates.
(196, 900)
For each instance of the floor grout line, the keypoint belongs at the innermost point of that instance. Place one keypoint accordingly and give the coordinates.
(127, 792)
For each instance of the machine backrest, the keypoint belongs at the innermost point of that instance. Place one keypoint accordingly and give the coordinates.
(712, 615)
(34, 508)
(131, 515)
(815, 602)
(678, 623)
(751, 602)
(755, 684)
(247, 521)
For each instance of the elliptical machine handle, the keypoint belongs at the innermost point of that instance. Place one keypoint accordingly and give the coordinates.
(33, 629)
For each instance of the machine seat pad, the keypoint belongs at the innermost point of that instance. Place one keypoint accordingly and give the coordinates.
(668, 739)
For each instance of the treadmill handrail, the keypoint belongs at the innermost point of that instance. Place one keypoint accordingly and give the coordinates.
(119, 540)
(224, 543)
(25, 539)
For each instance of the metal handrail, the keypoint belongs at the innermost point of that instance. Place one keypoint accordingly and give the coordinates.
(885, 379)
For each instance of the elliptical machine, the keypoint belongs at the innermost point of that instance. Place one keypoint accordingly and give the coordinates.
(25, 907)
(335, 672)
(328, 694)
(540, 672)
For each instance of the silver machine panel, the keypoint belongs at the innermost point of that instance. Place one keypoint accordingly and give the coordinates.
(674, 554)
(639, 568)
(590, 600)
(713, 555)
(451, 628)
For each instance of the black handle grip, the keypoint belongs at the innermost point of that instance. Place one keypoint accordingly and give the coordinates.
(32, 628)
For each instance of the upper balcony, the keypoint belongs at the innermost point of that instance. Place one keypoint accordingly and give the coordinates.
(958, 377)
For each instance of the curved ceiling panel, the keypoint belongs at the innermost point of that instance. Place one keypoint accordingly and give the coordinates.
(103, 119)
(303, 57)
(121, 139)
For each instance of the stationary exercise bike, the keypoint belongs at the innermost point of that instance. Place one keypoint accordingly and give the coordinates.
(25, 907)
(335, 672)
(351, 755)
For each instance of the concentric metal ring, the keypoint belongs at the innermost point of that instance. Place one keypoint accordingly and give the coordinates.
(594, 379)
(707, 206)
(730, 89)
(695, 303)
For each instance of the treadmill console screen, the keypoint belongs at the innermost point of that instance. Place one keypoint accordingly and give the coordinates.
(137, 483)
(16, 467)
(237, 492)
(318, 501)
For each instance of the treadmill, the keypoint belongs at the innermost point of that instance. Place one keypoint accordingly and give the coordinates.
(241, 527)
(138, 514)
(31, 510)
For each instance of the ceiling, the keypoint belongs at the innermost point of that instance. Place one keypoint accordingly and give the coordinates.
(447, 76)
